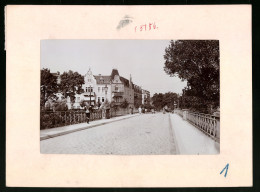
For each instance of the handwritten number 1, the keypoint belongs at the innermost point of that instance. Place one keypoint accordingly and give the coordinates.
(225, 168)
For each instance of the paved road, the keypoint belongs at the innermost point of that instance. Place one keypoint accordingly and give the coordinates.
(141, 135)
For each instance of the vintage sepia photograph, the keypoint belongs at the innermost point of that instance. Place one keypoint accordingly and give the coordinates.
(130, 97)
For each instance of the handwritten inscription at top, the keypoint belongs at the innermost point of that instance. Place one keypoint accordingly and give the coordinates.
(146, 27)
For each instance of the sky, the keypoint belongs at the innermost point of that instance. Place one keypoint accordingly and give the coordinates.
(143, 59)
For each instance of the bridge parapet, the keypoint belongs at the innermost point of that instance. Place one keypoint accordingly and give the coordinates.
(208, 124)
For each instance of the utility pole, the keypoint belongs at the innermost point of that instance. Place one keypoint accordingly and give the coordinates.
(90, 95)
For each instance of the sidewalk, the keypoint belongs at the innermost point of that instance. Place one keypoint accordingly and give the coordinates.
(55, 132)
(190, 140)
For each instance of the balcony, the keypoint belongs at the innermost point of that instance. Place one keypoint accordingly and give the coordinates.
(117, 94)
(88, 94)
(118, 102)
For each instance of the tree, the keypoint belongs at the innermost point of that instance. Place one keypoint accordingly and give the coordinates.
(113, 105)
(169, 99)
(48, 86)
(158, 101)
(105, 105)
(137, 101)
(61, 105)
(124, 104)
(71, 84)
(83, 104)
(197, 62)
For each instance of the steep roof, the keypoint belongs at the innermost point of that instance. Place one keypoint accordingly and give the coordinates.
(124, 81)
(114, 72)
(102, 79)
(137, 88)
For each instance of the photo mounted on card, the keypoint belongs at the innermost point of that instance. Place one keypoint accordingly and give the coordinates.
(110, 91)
(113, 105)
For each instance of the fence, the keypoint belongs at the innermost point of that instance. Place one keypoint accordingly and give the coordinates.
(208, 124)
(179, 112)
(121, 112)
(50, 119)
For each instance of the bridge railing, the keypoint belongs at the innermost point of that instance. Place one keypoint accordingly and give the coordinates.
(208, 124)
(50, 119)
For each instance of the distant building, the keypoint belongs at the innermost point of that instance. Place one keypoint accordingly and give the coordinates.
(146, 97)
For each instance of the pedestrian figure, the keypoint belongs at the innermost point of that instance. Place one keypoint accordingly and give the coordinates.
(140, 110)
(87, 114)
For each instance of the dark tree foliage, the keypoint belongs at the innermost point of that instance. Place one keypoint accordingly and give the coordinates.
(137, 101)
(160, 100)
(147, 106)
(71, 84)
(157, 100)
(124, 104)
(197, 62)
(48, 86)
(61, 106)
(113, 105)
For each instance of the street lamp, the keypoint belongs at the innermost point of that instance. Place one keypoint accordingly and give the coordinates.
(90, 90)
(106, 104)
(106, 88)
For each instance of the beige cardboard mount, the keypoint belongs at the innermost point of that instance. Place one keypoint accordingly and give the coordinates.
(26, 26)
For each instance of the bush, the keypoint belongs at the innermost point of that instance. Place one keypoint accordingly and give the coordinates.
(49, 120)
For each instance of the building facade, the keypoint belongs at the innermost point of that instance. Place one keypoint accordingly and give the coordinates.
(89, 91)
(137, 96)
(99, 88)
(103, 90)
(122, 89)
(146, 97)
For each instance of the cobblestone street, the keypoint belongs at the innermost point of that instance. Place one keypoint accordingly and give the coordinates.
(141, 135)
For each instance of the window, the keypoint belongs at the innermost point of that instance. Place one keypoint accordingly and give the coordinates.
(103, 99)
(103, 88)
(98, 99)
(116, 88)
(98, 89)
(89, 89)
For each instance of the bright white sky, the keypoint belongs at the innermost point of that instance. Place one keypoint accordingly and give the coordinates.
(143, 59)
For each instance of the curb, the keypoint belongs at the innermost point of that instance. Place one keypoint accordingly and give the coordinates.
(80, 129)
(177, 150)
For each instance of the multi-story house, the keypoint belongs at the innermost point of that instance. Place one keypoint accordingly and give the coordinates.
(103, 90)
(89, 88)
(121, 89)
